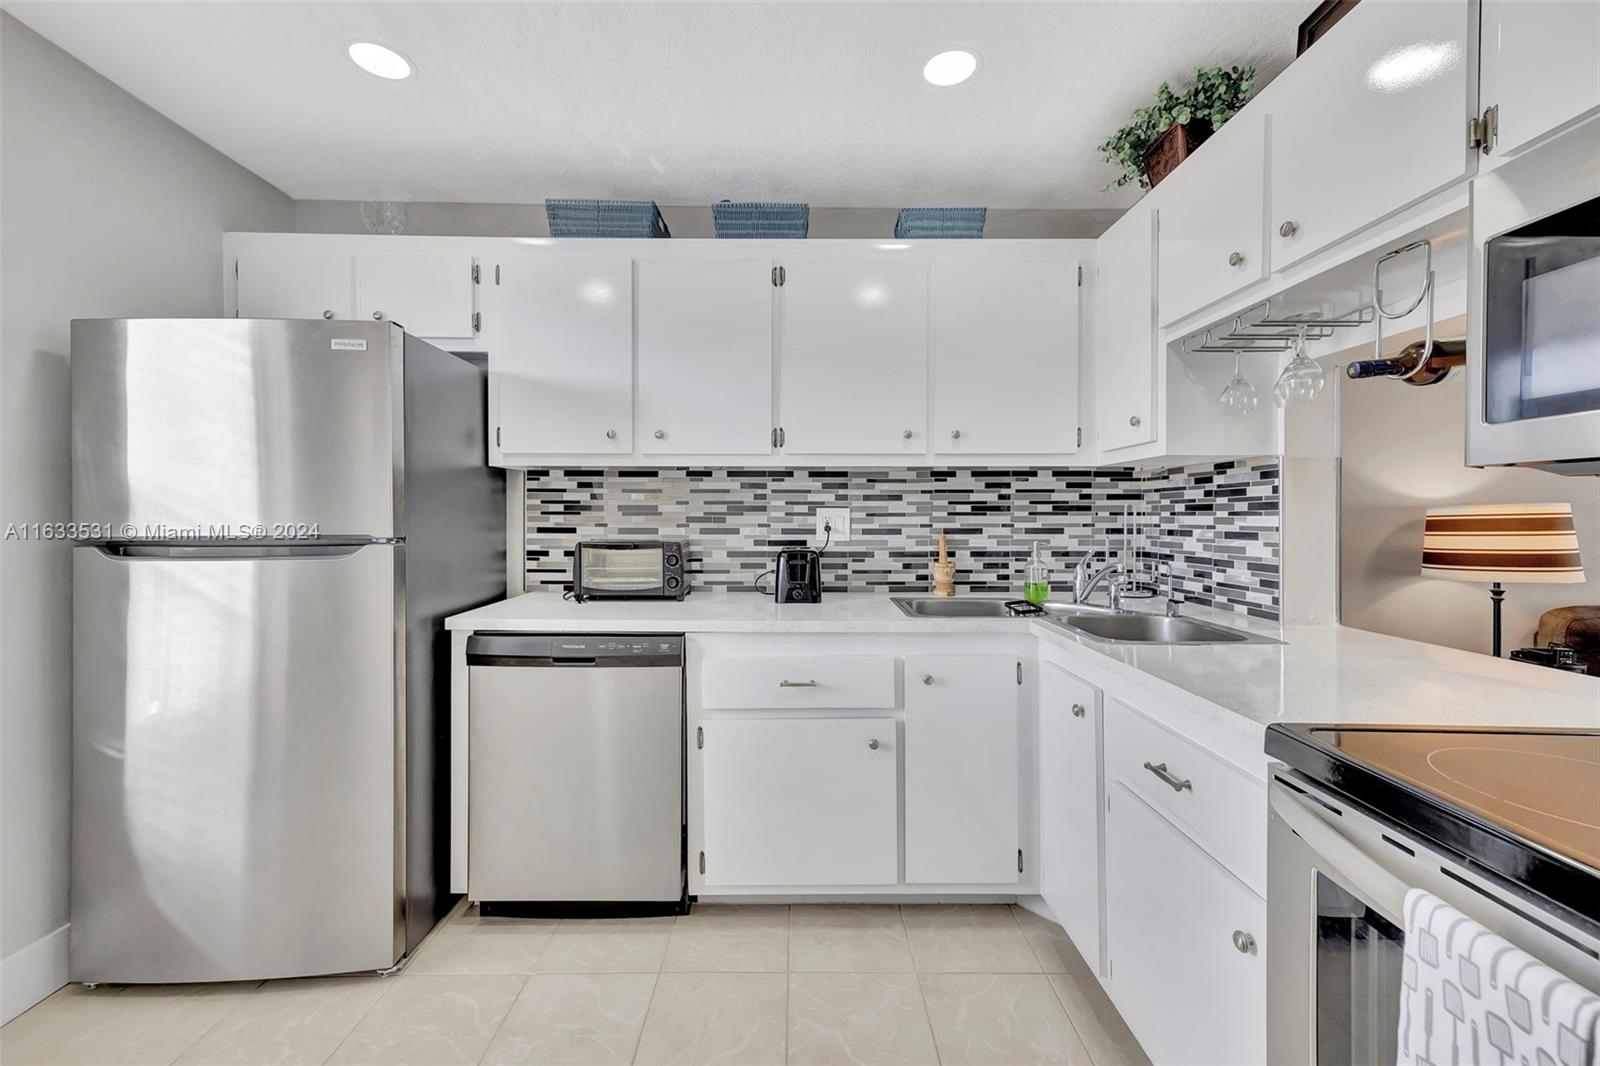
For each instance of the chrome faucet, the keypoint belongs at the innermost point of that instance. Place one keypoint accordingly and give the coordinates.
(1112, 575)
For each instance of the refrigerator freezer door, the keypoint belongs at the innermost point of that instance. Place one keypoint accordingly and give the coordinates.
(234, 763)
(192, 424)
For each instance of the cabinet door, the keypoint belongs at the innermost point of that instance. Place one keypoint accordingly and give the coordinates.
(1005, 356)
(562, 359)
(1069, 805)
(705, 356)
(428, 294)
(295, 283)
(1186, 991)
(961, 769)
(1124, 346)
(1371, 120)
(853, 355)
(1540, 67)
(1211, 229)
(799, 801)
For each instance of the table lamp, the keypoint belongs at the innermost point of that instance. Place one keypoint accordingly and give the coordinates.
(1501, 543)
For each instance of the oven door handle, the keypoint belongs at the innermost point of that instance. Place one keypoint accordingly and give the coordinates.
(1381, 888)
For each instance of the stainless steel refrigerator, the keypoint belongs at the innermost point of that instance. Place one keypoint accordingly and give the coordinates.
(273, 519)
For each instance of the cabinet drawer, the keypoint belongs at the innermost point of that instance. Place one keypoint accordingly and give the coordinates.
(1221, 806)
(859, 681)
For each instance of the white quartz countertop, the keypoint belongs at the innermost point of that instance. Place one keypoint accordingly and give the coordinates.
(1320, 673)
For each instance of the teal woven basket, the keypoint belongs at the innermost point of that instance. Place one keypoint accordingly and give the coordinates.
(928, 223)
(745, 221)
(605, 218)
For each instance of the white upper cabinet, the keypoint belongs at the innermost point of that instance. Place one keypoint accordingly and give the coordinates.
(561, 364)
(1370, 120)
(429, 294)
(1069, 804)
(1211, 219)
(1540, 68)
(961, 769)
(1005, 355)
(1124, 345)
(853, 374)
(290, 282)
(705, 356)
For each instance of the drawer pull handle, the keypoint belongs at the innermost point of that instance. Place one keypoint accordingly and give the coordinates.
(1160, 770)
(873, 743)
(1244, 942)
(797, 684)
(1077, 710)
(1236, 259)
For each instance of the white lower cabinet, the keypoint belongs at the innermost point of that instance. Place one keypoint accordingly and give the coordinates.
(962, 788)
(1175, 923)
(1069, 805)
(800, 801)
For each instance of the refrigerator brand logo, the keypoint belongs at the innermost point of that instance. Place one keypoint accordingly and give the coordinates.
(348, 344)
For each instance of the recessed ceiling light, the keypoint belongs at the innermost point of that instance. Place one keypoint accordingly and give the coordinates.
(950, 68)
(380, 61)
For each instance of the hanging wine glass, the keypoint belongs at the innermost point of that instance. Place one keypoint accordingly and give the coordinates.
(1238, 396)
(1302, 378)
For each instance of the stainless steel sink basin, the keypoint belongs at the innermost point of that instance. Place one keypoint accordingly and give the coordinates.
(1155, 629)
(950, 607)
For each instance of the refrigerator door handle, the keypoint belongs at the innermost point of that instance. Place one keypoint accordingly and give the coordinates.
(241, 552)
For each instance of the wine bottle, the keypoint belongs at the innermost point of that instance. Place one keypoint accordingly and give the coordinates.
(1446, 356)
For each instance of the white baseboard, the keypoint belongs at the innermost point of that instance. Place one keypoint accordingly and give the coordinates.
(29, 975)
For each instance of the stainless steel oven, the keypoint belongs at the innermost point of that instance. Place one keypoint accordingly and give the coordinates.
(1338, 874)
(1533, 327)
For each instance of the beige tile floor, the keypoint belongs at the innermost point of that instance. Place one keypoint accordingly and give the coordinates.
(743, 985)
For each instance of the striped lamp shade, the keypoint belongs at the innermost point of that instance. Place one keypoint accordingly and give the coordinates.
(1509, 542)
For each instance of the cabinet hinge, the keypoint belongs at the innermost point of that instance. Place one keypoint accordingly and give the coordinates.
(477, 321)
(236, 270)
(475, 273)
(1110, 968)
(1019, 860)
(497, 436)
(700, 736)
(774, 277)
(702, 862)
(497, 273)
(1019, 671)
(1483, 132)
(1080, 275)
(1080, 436)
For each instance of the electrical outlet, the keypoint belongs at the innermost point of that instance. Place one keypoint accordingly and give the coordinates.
(838, 518)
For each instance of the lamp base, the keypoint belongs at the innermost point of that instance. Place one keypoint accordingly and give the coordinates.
(1497, 596)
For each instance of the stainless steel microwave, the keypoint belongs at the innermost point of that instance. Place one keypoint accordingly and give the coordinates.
(629, 570)
(1533, 327)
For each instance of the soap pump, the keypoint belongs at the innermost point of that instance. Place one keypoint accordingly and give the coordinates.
(1036, 576)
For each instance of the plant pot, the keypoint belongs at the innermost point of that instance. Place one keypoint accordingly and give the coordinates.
(1176, 143)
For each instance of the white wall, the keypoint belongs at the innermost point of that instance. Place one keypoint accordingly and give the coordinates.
(107, 210)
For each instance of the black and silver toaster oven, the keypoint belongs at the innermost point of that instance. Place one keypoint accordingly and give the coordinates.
(629, 570)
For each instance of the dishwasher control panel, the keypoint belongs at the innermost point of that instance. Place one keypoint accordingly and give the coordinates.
(583, 647)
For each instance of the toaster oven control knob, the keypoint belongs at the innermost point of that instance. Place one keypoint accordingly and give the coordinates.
(672, 581)
(672, 561)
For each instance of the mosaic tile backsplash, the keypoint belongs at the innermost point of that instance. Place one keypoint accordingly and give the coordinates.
(1216, 523)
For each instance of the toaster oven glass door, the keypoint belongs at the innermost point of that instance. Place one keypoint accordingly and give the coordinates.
(622, 569)
(1542, 318)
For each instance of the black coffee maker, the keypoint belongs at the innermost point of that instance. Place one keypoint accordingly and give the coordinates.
(799, 576)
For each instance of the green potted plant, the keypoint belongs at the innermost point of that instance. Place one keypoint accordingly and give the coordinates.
(1159, 137)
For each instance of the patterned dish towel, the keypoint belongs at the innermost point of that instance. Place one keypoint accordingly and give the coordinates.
(1468, 996)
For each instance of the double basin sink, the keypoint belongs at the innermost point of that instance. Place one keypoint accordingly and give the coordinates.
(1115, 627)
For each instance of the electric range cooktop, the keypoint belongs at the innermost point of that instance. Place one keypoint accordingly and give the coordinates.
(1521, 803)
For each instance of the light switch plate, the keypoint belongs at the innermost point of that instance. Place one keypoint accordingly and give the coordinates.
(840, 519)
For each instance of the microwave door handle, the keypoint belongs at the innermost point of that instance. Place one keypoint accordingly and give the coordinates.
(1381, 888)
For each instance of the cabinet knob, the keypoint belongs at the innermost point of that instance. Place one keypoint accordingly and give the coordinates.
(611, 434)
(661, 434)
(1244, 942)
(873, 743)
(377, 316)
(327, 314)
(905, 434)
(1133, 420)
(927, 679)
(955, 434)
(1235, 259)
(1288, 229)
(1078, 711)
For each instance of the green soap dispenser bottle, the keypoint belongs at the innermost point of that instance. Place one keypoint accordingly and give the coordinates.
(1036, 576)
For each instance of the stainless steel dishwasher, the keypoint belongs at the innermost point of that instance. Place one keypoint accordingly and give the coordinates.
(575, 793)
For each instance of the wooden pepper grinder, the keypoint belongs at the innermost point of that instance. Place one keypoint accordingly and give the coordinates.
(944, 572)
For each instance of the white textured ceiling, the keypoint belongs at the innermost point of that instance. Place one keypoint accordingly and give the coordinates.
(677, 102)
